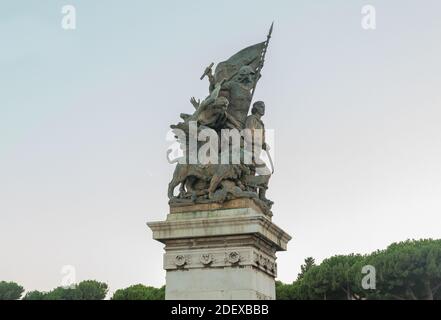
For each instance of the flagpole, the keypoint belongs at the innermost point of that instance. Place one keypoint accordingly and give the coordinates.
(262, 60)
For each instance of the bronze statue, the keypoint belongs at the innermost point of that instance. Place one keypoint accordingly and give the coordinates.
(255, 124)
(225, 109)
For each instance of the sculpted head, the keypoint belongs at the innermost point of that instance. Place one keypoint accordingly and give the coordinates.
(258, 108)
(246, 74)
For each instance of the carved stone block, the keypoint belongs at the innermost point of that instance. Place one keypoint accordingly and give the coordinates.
(220, 254)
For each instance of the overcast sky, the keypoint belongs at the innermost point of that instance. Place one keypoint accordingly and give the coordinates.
(84, 116)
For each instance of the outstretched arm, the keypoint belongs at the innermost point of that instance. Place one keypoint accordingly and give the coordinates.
(195, 103)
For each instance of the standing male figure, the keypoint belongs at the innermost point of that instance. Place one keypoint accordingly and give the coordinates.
(257, 134)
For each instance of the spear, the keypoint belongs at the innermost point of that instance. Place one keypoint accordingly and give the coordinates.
(262, 60)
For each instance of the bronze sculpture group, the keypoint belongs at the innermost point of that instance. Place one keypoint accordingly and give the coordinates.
(226, 109)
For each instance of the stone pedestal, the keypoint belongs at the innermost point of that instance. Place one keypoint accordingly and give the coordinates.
(220, 251)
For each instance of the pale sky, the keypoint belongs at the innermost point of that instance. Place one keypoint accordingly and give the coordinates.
(84, 116)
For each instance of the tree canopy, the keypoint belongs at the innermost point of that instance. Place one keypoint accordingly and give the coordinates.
(139, 292)
(409, 270)
(85, 290)
(10, 290)
(92, 290)
(34, 295)
(406, 270)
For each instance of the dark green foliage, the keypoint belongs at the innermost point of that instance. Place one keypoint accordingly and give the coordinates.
(85, 290)
(405, 270)
(409, 270)
(332, 279)
(34, 295)
(288, 291)
(61, 293)
(309, 263)
(92, 290)
(139, 292)
(296, 290)
(10, 290)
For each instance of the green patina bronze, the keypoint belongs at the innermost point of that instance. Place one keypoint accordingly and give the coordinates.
(227, 106)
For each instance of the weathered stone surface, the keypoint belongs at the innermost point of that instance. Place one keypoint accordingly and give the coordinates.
(225, 253)
(220, 284)
(232, 204)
